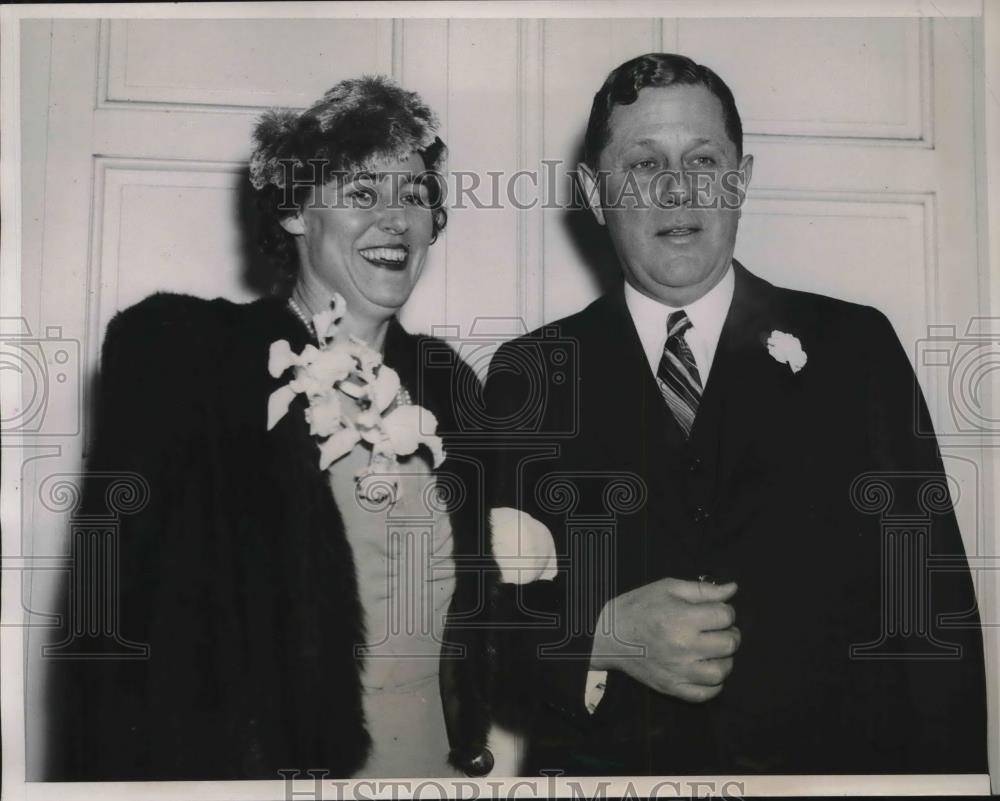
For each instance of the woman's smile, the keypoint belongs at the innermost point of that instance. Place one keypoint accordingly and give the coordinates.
(393, 257)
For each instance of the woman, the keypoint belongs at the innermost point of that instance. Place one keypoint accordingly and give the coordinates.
(266, 588)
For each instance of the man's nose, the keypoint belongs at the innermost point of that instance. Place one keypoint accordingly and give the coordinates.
(673, 188)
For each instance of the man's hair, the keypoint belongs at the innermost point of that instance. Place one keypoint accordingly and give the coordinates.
(654, 69)
(354, 125)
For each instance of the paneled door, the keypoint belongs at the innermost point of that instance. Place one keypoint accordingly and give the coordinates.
(136, 133)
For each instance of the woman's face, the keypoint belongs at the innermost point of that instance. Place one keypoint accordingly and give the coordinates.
(367, 238)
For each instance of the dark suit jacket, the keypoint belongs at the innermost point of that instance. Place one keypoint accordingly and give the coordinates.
(235, 570)
(811, 490)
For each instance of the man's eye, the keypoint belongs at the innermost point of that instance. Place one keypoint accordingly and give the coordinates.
(703, 161)
(644, 164)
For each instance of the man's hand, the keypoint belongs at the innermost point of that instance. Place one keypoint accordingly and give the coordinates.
(686, 630)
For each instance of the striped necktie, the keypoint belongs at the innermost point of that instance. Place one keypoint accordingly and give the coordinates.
(677, 376)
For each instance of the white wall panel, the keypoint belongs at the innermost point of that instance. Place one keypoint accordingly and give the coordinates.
(242, 63)
(55, 298)
(167, 228)
(36, 62)
(578, 55)
(868, 249)
(482, 137)
(422, 62)
(868, 73)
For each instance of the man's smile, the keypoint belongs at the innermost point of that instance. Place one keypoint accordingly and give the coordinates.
(679, 231)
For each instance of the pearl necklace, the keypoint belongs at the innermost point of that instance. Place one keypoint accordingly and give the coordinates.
(403, 397)
(294, 308)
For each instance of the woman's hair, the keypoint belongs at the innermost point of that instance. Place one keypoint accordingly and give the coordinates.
(355, 124)
(654, 69)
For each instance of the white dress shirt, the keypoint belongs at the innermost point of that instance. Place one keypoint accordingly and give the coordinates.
(707, 315)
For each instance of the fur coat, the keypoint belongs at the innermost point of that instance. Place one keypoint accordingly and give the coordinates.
(237, 572)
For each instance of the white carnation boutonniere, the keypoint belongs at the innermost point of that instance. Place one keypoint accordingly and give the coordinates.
(786, 349)
(346, 370)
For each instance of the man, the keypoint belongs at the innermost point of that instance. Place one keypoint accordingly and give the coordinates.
(746, 616)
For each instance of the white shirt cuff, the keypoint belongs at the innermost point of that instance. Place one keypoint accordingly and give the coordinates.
(596, 684)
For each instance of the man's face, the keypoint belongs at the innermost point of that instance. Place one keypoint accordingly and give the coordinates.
(672, 192)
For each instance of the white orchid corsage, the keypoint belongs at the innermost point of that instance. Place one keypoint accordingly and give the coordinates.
(786, 349)
(387, 422)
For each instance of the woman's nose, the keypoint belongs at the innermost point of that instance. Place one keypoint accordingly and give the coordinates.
(392, 219)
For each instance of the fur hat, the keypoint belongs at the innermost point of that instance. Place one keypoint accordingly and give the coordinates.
(357, 122)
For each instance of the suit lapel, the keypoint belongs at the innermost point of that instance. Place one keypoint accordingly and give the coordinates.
(739, 343)
(744, 379)
(637, 424)
(623, 392)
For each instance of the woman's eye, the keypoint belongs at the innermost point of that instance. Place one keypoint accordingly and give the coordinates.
(361, 197)
(413, 199)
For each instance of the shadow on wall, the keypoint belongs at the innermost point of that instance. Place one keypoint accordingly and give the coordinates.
(262, 274)
(590, 239)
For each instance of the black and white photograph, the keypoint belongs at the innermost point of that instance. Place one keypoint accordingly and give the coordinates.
(496, 400)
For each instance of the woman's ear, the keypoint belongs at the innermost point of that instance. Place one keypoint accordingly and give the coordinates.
(295, 225)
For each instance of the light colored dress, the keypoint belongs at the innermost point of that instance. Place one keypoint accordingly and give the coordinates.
(406, 578)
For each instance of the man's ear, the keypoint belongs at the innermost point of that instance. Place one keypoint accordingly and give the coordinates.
(746, 169)
(295, 225)
(591, 190)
